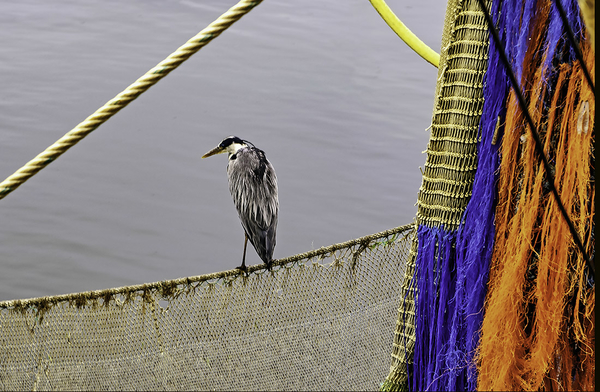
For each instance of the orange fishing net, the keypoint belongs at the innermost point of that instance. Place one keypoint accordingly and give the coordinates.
(538, 329)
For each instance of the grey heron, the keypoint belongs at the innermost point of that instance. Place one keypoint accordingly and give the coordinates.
(253, 186)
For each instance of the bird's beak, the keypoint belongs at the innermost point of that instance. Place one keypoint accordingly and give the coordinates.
(214, 151)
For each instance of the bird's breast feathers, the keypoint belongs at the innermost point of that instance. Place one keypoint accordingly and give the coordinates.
(253, 186)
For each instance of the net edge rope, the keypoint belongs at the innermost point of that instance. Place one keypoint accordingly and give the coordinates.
(168, 287)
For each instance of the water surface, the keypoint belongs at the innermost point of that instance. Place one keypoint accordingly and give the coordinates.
(339, 104)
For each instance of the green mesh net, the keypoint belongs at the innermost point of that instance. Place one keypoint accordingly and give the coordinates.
(323, 320)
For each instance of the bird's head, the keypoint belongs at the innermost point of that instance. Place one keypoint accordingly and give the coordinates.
(231, 145)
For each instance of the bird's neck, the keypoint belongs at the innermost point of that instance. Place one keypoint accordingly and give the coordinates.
(234, 148)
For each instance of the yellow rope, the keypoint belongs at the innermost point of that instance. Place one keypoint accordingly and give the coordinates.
(129, 94)
(405, 34)
(588, 11)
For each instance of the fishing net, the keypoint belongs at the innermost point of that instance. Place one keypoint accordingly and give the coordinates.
(322, 320)
(447, 184)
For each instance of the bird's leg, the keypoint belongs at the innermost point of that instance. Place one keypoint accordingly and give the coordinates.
(243, 266)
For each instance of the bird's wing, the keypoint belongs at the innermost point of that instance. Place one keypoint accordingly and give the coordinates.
(253, 186)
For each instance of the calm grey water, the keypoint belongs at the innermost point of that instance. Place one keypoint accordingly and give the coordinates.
(337, 101)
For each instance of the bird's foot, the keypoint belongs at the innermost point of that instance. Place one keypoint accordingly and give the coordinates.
(244, 269)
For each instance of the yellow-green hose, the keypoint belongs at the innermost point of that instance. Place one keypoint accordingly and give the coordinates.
(405, 34)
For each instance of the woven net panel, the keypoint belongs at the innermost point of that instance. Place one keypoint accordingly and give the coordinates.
(451, 156)
(452, 149)
(320, 321)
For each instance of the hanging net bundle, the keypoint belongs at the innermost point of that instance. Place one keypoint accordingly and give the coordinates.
(497, 295)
